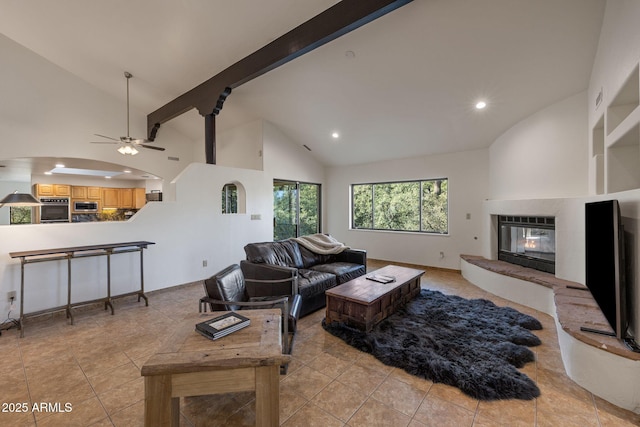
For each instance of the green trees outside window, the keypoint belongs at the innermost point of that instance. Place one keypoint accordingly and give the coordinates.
(420, 206)
(19, 215)
(229, 199)
(296, 209)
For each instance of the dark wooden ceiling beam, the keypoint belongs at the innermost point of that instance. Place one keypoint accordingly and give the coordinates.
(334, 22)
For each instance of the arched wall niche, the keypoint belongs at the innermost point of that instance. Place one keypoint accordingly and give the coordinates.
(234, 198)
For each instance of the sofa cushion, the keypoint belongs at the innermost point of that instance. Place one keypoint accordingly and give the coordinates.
(311, 282)
(344, 271)
(285, 253)
(309, 258)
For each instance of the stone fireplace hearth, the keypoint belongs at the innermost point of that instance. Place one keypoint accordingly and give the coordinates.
(528, 241)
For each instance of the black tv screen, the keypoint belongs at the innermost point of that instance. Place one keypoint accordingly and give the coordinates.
(605, 266)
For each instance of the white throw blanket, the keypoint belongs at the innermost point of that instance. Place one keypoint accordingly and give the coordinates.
(321, 244)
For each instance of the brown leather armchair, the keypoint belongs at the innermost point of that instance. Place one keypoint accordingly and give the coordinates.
(228, 290)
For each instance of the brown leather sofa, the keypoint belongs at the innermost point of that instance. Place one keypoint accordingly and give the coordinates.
(313, 273)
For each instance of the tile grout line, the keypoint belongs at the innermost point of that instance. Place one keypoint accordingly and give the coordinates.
(26, 381)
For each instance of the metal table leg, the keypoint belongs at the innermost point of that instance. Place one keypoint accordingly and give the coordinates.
(22, 259)
(107, 303)
(141, 293)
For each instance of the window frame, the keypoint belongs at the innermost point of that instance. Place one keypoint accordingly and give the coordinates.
(298, 184)
(352, 225)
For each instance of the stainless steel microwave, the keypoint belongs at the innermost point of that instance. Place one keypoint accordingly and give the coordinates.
(85, 206)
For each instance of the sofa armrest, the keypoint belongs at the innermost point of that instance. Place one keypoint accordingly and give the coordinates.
(269, 280)
(355, 256)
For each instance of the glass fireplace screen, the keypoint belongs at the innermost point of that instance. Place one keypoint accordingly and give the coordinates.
(528, 241)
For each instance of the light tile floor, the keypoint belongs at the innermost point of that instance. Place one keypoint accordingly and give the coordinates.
(93, 367)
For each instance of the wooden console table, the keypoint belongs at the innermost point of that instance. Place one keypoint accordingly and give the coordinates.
(189, 364)
(57, 254)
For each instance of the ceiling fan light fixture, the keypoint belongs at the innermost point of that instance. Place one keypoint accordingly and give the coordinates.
(127, 143)
(127, 150)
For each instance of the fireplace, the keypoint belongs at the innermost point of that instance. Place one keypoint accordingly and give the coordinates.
(528, 241)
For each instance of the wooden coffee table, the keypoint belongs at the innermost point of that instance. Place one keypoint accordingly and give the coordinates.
(189, 364)
(361, 303)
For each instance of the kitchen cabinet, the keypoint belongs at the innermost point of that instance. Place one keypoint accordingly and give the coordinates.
(52, 190)
(86, 193)
(110, 198)
(79, 193)
(140, 197)
(107, 197)
(94, 193)
(45, 190)
(61, 190)
(126, 198)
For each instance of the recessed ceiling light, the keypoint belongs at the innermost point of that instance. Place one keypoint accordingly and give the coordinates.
(126, 171)
(107, 177)
(335, 135)
(480, 105)
(59, 165)
(48, 173)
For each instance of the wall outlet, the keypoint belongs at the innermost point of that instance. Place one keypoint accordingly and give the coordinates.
(11, 295)
(441, 254)
(204, 262)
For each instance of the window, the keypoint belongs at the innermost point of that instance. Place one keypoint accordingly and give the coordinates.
(420, 206)
(296, 209)
(229, 199)
(19, 215)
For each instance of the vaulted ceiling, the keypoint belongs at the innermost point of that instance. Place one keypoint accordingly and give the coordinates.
(403, 85)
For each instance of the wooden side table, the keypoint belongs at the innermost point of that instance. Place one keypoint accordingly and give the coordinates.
(189, 364)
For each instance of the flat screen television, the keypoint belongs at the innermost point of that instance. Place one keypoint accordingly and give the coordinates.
(605, 263)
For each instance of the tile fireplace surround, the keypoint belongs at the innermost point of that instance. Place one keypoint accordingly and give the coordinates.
(601, 364)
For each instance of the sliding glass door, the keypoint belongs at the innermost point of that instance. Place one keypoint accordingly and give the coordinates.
(296, 209)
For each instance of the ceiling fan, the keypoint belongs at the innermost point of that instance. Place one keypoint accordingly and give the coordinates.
(128, 144)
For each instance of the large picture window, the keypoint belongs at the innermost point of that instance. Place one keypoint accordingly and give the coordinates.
(420, 206)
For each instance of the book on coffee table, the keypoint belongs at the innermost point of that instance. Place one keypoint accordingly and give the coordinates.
(381, 279)
(223, 325)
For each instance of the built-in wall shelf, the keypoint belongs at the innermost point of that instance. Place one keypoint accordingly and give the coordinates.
(623, 162)
(615, 140)
(597, 155)
(625, 102)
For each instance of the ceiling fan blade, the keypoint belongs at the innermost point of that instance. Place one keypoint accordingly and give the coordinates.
(104, 142)
(151, 147)
(108, 137)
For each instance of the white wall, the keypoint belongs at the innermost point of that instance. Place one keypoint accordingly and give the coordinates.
(241, 146)
(544, 155)
(186, 232)
(618, 53)
(565, 195)
(286, 159)
(468, 175)
(46, 111)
